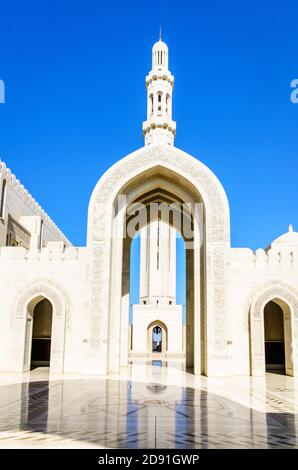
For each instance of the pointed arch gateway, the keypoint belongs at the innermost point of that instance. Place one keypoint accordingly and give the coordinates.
(52, 327)
(159, 171)
(274, 296)
(159, 328)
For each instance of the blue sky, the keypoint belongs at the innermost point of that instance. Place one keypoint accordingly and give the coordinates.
(75, 100)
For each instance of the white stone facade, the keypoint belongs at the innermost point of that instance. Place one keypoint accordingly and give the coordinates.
(228, 288)
(168, 318)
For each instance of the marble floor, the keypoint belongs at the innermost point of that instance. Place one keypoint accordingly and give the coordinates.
(151, 404)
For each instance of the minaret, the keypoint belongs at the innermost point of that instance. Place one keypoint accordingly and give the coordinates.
(159, 127)
(157, 312)
(158, 264)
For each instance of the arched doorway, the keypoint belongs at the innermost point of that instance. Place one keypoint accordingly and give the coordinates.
(135, 179)
(42, 334)
(157, 338)
(274, 338)
(273, 328)
(167, 217)
(58, 304)
(38, 333)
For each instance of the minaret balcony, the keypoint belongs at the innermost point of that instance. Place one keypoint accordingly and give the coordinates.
(164, 75)
(159, 122)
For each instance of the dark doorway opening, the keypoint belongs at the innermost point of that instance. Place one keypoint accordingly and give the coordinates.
(274, 338)
(41, 335)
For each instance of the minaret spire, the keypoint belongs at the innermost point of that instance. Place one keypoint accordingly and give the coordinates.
(159, 127)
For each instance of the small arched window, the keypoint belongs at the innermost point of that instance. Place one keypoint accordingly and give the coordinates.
(167, 103)
(151, 104)
(2, 201)
(159, 101)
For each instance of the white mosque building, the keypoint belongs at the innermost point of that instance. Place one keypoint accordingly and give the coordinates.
(68, 307)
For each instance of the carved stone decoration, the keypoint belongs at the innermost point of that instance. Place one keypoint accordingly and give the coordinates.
(218, 274)
(191, 176)
(273, 290)
(48, 289)
(194, 172)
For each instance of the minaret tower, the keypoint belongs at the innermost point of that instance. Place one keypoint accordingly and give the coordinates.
(159, 127)
(157, 319)
(158, 264)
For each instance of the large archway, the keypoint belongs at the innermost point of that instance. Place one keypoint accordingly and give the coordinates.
(194, 262)
(157, 289)
(273, 329)
(147, 173)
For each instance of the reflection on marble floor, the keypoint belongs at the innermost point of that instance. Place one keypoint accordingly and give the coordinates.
(148, 405)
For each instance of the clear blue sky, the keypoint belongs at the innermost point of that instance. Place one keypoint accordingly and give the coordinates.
(75, 100)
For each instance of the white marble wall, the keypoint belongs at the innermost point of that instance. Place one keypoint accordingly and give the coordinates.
(170, 315)
(59, 274)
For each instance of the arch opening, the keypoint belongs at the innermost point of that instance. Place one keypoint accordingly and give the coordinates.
(272, 323)
(38, 336)
(274, 338)
(157, 167)
(157, 338)
(190, 316)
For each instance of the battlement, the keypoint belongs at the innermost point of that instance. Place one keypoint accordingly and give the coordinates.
(54, 251)
(20, 189)
(276, 258)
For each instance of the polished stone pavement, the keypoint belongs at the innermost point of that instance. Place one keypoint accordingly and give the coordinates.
(151, 404)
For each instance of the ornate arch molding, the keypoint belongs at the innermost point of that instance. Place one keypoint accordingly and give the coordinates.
(104, 285)
(287, 297)
(180, 163)
(159, 323)
(45, 288)
(271, 291)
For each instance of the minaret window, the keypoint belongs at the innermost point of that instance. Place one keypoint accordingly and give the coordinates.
(159, 100)
(167, 103)
(151, 104)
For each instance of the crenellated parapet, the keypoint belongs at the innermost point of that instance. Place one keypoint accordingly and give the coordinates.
(285, 258)
(54, 251)
(19, 188)
(281, 259)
